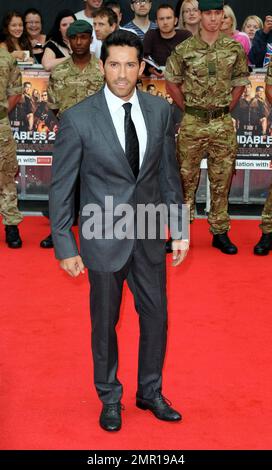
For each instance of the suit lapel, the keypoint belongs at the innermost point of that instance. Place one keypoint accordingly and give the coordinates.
(104, 121)
(148, 124)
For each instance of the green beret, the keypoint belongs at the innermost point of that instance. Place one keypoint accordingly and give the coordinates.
(79, 26)
(205, 5)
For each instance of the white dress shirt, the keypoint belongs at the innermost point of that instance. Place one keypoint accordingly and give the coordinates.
(117, 113)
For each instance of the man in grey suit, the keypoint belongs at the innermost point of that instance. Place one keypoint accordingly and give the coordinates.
(121, 143)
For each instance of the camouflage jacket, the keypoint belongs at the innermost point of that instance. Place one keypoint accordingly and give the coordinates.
(68, 84)
(10, 78)
(208, 72)
(268, 77)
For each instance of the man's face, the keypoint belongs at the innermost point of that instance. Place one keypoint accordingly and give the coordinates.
(166, 20)
(152, 90)
(247, 92)
(44, 96)
(80, 43)
(211, 20)
(102, 27)
(141, 7)
(169, 98)
(121, 70)
(260, 93)
(27, 89)
(94, 3)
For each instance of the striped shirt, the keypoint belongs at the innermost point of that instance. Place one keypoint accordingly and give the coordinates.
(139, 31)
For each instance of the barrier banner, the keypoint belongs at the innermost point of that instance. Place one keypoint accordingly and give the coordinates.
(35, 125)
(252, 118)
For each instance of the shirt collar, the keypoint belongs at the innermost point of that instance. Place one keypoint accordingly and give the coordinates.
(115, 103)
(203, 43)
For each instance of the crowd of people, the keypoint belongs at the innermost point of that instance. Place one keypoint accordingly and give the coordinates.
(23, 36)
(72, 60)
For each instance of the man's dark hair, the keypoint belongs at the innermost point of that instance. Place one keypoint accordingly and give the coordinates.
(108, 12)
(258, 88)
(112, 3)
(26, 83)
(150, 86)
(166, 5)
(122, 38)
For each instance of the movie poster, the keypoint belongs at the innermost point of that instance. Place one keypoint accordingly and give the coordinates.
(34, 125)
(156, 87)
(252, 118)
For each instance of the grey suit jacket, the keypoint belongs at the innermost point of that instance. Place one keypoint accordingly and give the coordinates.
(87, 145)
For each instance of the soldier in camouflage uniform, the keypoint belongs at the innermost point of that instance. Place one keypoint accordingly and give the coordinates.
(75, 79)
(206, 76)
(10, 95)
(265, 243)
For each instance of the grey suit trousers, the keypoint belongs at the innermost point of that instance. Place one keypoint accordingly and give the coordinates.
(147, 282)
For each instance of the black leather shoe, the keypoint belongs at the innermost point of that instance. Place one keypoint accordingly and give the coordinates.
(13, 238)
(264, 245)
(47, 242)
(160, 407)
(168, 246)
(223, 243)
(110, 418)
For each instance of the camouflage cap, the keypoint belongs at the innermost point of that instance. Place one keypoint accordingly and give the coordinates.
(79, 26)
(205, 5)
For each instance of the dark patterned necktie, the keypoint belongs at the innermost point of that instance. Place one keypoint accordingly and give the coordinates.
(132, 143)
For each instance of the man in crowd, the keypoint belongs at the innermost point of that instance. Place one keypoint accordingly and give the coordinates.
(261, 50)
(265, 243)
(159, 43)
(115, 158)
(79, 76)
(212, 70)
(87, 15)
(105, 21)
(10, 95)
(141, 22)
(90, 7)
(116, 7)
(75, 79)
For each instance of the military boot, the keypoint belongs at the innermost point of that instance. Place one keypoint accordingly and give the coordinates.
(223, 243)
(13, 238)
(264, 245)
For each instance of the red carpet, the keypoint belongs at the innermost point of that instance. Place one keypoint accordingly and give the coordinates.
(218, 368)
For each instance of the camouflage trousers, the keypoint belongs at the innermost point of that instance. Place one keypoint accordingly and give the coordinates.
(266, 224)
(8, 169)
(217, 138)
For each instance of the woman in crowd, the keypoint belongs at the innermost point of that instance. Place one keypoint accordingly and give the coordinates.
(33, 28)
(57, 49)
(229, 26)
(14, 39)
(251, 25)
(189, 15)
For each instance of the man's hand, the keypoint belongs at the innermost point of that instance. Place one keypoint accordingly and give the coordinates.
(267, 24)
(73, 266)
(180, 250)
